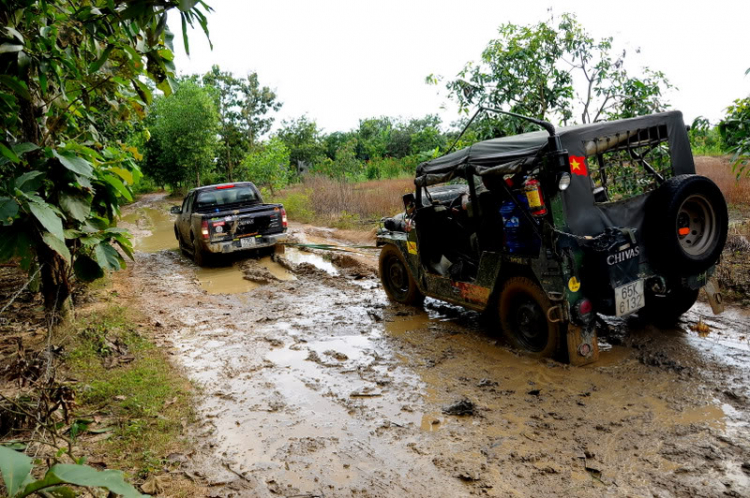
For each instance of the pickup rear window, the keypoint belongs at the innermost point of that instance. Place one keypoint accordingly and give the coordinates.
(222, 197)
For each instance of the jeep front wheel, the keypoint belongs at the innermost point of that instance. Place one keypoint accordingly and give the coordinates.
(523, 311)
(397, 281)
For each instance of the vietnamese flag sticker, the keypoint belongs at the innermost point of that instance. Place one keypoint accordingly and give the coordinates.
(578, 165)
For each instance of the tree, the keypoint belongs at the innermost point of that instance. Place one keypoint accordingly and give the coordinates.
(63, 65)
(549, 71)
(302, 137)
(243, 107)
(183, 135)
(267, 165)
(735, 133)
(373, 138)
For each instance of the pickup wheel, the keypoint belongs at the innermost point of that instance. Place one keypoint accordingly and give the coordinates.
(397, 281)
(180, 243)
(199, 256)
(523, 311)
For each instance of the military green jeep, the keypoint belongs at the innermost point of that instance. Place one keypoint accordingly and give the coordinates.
(550, 228)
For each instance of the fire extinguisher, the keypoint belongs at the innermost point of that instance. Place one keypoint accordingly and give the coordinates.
(533, 190)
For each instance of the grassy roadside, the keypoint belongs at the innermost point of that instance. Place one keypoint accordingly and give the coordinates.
(98, 389)
(127, 387)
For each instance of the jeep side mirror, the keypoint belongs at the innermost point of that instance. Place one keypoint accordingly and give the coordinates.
(176, 210)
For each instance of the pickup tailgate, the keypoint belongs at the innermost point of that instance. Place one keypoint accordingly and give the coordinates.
(263, 219)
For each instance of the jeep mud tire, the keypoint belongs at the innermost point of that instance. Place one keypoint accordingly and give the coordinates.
(523, 307)
(665, 310)
(686, 225)
(397, 280)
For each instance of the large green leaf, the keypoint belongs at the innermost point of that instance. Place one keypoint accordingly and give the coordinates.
(76, 206)
(23, 148)
(29, 181)
(47, 218)
(18, 86)
(125, 245)
(15, 467)
(94, 67)
(86, 269)
(7, 48)
(7, 152)
(83, 475)
(107, 256)
(119, 186)
(57, 245)
(74, 163)
(8, 209)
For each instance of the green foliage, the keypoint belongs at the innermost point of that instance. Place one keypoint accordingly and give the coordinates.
(346, 165)
(68, 71)
(183, 130)
(705, 139)
(16, 470)
(298, 206)
(533, 70)
(735, 132)
(243, 107)
(302, 137)
(267, 165)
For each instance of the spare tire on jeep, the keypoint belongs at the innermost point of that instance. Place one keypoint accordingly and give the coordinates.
(686, 225)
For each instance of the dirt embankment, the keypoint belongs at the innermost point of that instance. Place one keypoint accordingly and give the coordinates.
(314, 385)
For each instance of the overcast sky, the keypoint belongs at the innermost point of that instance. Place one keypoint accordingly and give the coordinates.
(339, 61)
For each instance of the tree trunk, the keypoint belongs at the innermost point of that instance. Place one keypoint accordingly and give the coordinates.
(229, 165)
(56, 287)
(197, 177)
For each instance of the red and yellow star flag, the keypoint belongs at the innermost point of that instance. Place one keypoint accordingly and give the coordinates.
(578, 165)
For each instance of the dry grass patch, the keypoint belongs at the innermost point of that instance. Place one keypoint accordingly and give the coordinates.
(341, 204)
(719, 169)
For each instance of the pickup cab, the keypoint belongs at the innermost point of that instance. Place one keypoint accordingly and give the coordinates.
(219, 219)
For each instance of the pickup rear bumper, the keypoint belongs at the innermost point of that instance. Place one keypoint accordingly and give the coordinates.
(245, 243)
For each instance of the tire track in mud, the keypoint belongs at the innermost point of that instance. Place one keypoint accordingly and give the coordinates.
(318, 387)
(302, 392)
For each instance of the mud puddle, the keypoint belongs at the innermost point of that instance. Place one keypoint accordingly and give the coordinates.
(155, 229)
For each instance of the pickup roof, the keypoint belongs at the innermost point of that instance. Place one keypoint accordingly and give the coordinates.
(219, 219)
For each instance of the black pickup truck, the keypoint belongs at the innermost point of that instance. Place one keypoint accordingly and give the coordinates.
(219, 219)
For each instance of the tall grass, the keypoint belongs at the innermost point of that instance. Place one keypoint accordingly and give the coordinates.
(719, 169)
(344, 204)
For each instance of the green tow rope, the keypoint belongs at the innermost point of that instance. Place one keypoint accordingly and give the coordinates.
(328, 247)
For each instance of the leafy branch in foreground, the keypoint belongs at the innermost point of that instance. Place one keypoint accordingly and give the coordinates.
(69, 69)
(16, 470)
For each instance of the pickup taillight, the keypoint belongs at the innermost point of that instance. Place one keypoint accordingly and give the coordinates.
(204, 230)
(284, 223)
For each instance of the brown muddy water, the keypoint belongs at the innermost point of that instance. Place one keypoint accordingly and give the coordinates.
(314, 385)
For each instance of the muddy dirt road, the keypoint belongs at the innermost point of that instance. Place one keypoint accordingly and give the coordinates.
(313, 385)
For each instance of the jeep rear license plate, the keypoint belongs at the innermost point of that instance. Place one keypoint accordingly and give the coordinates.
(629, 298)
(250, 242)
